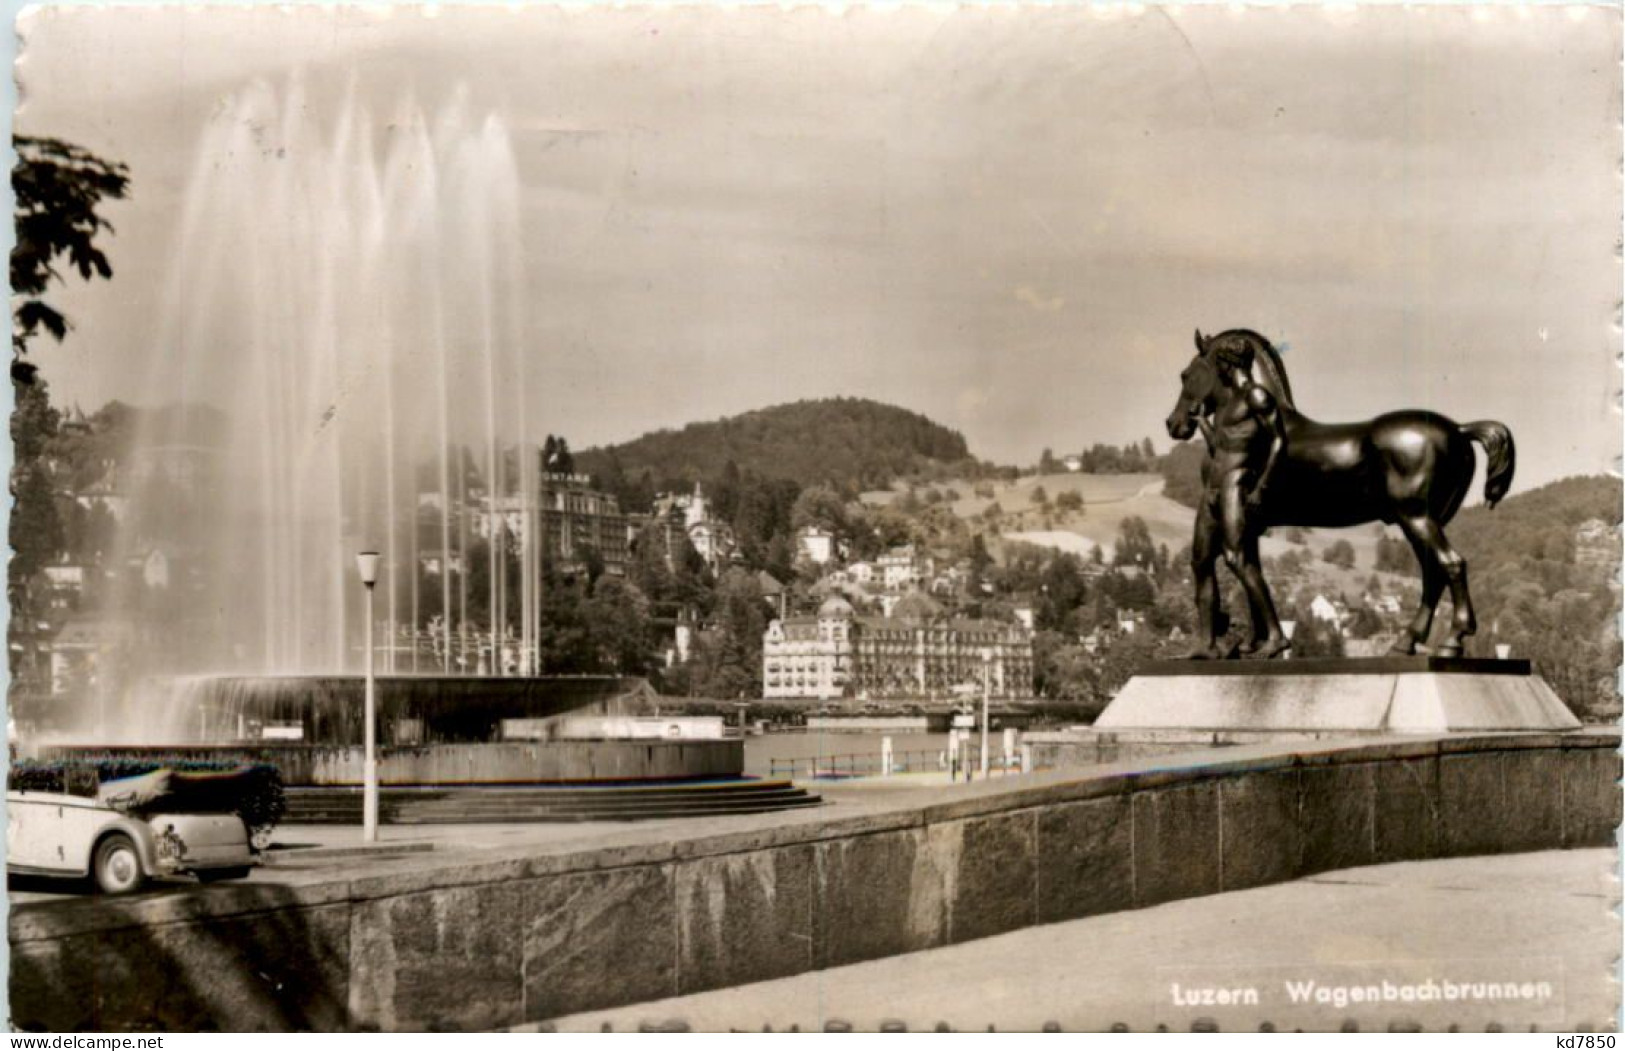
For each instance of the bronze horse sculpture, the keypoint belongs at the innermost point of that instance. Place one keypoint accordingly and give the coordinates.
(1269, 465)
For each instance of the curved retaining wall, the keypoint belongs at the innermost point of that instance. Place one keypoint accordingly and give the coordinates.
(483, 944)
(330, 708)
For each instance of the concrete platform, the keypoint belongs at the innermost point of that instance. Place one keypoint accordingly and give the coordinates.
(1385, 695)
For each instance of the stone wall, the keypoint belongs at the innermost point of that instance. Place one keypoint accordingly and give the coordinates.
(526, 938)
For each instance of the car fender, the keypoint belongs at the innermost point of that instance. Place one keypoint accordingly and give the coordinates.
(140, 834)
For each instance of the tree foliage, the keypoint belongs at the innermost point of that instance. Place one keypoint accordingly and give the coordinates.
(1135, 546)
(556, 456)
(59, 189)
(1394, 556)
(1133, 458)
(1339, 553)
(822, 507)
(1181, 471)
(35, 526)
(1070, 501)
(728, 664)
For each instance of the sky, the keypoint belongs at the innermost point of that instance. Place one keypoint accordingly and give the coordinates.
(1009, 219)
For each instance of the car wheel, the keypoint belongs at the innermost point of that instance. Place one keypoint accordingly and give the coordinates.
(216, 875)
(117, 866)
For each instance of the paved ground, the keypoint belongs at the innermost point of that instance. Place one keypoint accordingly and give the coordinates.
(305, 854)
(1515, 920)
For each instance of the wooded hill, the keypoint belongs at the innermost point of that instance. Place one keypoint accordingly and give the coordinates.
(849, 443)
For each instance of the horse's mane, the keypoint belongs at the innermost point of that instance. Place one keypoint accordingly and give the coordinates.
(1268, 370)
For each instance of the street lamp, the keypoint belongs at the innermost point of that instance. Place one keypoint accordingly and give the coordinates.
(367, 564)
(987, 681)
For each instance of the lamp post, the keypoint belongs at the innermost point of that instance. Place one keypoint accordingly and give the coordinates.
(987, 685)
(367, 564)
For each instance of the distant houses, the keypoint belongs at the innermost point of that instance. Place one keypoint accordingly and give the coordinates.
(902, 568)
(687, 517)
(1596, 543)
(77, 652)
(1323, 609)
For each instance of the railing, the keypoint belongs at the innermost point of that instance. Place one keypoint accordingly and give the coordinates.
(872, 764)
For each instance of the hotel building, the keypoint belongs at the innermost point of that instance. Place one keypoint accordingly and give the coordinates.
(916, 653)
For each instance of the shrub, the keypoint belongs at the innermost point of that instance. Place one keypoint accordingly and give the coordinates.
(1339, 553)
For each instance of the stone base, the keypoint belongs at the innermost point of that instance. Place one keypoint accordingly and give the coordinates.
(1384, 695)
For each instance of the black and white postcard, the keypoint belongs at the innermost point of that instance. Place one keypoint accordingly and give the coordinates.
(890, 518)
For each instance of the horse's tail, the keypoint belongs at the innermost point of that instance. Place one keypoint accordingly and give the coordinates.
(1503, 456)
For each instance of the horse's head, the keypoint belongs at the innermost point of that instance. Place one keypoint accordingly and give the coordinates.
(1198, 386)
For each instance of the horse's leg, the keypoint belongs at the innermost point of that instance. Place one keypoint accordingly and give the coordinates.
(1433, 581)
(1204, 571)
(1453, 568)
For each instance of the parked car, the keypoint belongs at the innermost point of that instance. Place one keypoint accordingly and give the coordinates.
(123, 837)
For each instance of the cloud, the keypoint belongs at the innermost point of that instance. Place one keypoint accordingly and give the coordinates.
(1025, 294)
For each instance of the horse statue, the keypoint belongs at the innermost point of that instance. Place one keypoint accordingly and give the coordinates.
(1269, 465)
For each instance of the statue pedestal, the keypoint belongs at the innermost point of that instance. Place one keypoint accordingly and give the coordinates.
(1381, 695)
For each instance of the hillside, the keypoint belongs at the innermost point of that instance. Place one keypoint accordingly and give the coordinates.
(1107, 500)
(1538, 524)
(851, 443)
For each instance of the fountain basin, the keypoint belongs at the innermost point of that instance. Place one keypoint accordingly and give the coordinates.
(412, 709)
(494, 763)
(432, 730)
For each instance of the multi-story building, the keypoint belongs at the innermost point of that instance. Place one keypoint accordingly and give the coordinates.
(662, 529)
(566, 515)
(690, 513)
(917, 653)
(818, 545)
(575, 516)
(711, 537)
(903, 568)
(713, 540)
